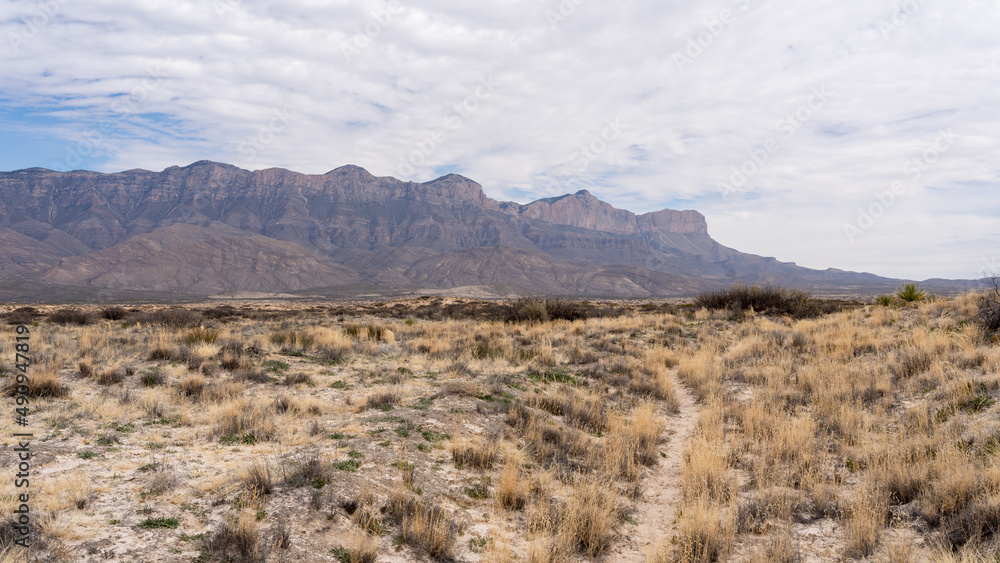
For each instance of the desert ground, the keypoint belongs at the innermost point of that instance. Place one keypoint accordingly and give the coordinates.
(451, 429)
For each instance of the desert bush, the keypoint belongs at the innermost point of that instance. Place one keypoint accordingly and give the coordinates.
(164, 352)
(70, 317)
(909, 293)
(222, 312)
(153, 378)
(363, 549)
(292, 340)
(912, 362)
(257, 479)
(702, 536)
(174, 317)
(110, 376)
(44, 381)
(976, 523)
(428, 527)
(297, 378)
(988, 307)
(191, 386)
(592, 517)
(251, 375)
(740, 298)
(481, 455)
(511, 489)
(312, 470)
(866, 518)
(244, 420)
(22, 316)
(884, 300)
(383, 399)
(240, 540)
(535, 310)
(113, 313)
(222, 391)
(201, 334)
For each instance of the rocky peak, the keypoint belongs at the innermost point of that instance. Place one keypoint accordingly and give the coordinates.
(582, 209)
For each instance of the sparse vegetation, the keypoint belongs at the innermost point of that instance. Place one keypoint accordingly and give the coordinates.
(910, 293)
(740, 298)
(864, 425)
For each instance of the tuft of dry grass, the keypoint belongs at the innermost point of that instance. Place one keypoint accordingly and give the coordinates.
(480, 455)
(243, 419)
(511, 488)
(240, 539)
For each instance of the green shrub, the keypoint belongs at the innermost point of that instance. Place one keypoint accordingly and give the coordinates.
(152, 523)
(909, 293)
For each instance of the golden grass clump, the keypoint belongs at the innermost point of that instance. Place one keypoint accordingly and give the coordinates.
(511, 490)
(243, 419)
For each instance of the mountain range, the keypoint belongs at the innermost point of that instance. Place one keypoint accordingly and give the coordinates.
(211, 228)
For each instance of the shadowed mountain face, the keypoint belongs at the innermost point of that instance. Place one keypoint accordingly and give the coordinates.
(209, 228)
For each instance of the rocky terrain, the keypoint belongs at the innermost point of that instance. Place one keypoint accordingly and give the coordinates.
(212, 228)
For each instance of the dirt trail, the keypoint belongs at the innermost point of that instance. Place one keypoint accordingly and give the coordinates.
(654, 514)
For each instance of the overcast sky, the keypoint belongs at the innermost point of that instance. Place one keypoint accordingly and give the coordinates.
(855, 134)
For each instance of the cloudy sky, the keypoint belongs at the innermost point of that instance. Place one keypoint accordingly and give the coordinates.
(855, 134)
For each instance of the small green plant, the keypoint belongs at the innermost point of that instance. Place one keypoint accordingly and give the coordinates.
(350, 465)
(86, 455)
(276, 366)
(342, 554)
(477, 544)
(884, 300)
(153, 378)
(159, 522)
(909, 293)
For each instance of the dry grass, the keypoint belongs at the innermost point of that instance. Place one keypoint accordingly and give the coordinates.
(376, 421)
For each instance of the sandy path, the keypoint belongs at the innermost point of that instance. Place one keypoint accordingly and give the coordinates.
(654, 514)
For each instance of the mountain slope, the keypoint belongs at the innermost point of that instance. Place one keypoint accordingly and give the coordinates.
(211, 227)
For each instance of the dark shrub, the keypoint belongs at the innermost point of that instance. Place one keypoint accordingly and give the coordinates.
(22, 316)
(113, 313)
(175, 317)
(763, 299)
(535, 310)
(70, 317)
(988, 314)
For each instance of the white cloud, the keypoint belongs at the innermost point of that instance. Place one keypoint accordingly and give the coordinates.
(221, 69)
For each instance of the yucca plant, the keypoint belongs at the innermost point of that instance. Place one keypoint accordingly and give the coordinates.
(884, 300)
(909, 293)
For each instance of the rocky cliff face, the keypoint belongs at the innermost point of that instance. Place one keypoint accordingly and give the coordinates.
(209, 227)
(585, 211)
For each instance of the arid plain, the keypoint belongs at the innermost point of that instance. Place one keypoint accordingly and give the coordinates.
(445, 429)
